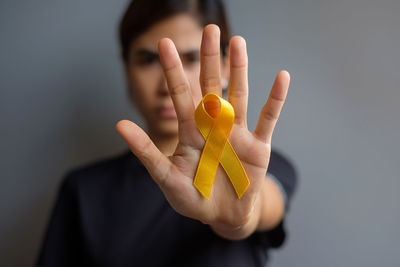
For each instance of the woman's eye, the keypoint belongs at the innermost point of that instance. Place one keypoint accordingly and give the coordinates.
(191, 58)
(144, 57)
(147, 60)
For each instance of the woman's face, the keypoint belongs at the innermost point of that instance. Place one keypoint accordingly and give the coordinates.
(145, 76)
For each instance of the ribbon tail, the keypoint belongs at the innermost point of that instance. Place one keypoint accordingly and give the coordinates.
(235, 170)
(209, 161)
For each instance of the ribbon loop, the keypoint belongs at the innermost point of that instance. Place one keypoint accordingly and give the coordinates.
(214, 118)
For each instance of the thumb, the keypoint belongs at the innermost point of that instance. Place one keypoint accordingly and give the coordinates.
(141, 145)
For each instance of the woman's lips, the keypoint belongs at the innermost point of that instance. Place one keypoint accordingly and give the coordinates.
(167, 112)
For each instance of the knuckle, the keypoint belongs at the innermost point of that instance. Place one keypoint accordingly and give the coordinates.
(178, 89)
(278, 98)
(238, 92)
(163, 176)
(269, 115)
(241, 120)
(145, 150)
(210, 82)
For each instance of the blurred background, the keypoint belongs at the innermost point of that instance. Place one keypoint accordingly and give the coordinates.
(62, 90)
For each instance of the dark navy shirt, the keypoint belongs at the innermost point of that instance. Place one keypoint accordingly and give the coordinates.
(113, 214)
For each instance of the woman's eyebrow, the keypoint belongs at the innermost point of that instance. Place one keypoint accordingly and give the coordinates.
(143, 52)
(191, 52)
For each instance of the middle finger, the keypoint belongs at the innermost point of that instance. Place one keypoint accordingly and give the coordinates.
(210, 80)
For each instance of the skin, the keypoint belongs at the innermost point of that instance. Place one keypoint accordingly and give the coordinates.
(181, 83)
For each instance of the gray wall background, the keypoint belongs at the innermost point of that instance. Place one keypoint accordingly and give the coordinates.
(62, 90)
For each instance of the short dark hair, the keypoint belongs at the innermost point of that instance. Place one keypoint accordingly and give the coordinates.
(142, 14)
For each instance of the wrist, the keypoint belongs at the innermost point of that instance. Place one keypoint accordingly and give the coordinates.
(241, 227)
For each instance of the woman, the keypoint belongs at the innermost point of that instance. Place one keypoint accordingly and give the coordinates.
(113, 214)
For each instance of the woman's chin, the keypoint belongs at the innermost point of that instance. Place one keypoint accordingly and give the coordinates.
(167, 128)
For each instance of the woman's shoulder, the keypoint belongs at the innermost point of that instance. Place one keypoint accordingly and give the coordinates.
(105, 170)
(281, 167)
(278, 160)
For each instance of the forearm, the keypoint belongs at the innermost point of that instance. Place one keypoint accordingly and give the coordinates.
(267, 212)
(272, 207)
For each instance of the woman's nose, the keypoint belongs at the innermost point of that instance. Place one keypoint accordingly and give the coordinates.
(163, 86)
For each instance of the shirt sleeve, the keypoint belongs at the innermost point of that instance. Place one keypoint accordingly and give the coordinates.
(282, 171)
(61, 242)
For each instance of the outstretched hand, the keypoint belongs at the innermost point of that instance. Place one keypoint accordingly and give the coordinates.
(224, 211)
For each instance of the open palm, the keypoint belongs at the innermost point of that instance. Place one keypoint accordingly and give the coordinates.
(175, 174)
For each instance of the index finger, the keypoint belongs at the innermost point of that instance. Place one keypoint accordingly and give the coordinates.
(178, 85)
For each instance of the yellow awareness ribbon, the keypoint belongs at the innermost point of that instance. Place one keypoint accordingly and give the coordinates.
(214, 118)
